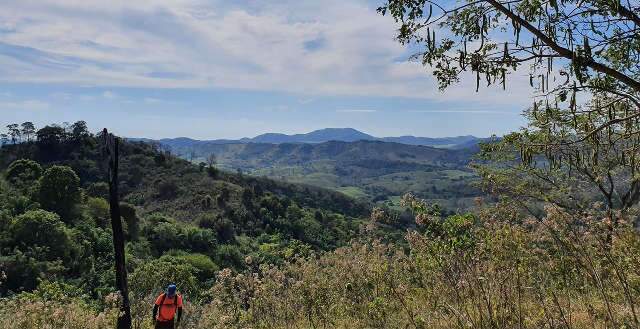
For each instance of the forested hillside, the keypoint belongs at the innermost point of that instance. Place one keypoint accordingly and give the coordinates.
(54, 216)
(375, 171)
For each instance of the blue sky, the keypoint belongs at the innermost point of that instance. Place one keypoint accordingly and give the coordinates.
(230, 69)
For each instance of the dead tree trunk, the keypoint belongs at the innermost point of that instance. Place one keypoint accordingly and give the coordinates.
(111, 148)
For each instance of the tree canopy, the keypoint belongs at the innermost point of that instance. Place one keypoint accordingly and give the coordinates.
(583, 61)
(60, 190)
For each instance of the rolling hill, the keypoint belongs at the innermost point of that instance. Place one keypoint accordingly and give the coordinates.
(370, 170)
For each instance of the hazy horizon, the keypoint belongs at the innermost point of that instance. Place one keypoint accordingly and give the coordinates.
(305, 132)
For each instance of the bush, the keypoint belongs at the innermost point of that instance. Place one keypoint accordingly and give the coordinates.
(32, 311)
(205, 267)
(228, 255)
(556, 273)
(165, 236)
(153, 277)
(223, 227)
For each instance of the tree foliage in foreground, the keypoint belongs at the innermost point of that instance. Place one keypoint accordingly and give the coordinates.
(583, 58)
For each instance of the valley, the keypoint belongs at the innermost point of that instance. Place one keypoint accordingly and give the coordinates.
(371, 169)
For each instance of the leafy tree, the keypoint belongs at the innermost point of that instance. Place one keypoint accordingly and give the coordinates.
(39, 246)
(44, 229)
(59, 190)
(24, 171)
(49, 142)
(224, 228)
(49, 136)
(596, 42)
(165, 236)
(228, 255)
(98, 209)
(14, 132)
(79, 130)
(582, 138)
(28, 130)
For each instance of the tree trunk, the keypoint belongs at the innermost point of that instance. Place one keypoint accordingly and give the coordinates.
(111, 145)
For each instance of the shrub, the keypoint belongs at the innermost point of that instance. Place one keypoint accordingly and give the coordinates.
(165, 236)
(557, 273)
(205, 267)
(56, 306)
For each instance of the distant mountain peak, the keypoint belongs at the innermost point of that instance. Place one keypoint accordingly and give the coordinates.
(316, 136)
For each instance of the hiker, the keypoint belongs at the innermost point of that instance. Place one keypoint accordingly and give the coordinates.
(165, 308)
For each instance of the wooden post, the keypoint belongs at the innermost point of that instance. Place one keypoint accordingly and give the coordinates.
(111, 148)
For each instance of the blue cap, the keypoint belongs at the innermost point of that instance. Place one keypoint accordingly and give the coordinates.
(171, 290)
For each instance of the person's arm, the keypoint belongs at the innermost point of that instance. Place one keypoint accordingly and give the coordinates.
(155, 311)
(179, 307)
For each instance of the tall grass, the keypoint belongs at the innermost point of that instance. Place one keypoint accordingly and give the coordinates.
(557, 273)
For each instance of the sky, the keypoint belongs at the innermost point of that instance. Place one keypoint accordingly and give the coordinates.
(230, 69)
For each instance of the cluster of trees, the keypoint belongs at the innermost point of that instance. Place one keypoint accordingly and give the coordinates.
(27, 132)
(177, 217)
(15, 133)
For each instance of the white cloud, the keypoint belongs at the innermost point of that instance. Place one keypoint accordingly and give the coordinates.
(331, 47)
(26, 105)
(61, 96)
(464, 111)
(109, 94)
(151, 100)
(86, 98)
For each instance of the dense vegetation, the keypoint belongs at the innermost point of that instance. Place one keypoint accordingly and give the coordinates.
(561, 248)
(252, 252)
(180, 219)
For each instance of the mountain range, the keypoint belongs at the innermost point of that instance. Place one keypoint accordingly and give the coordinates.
(378, 169)
(325, 135)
